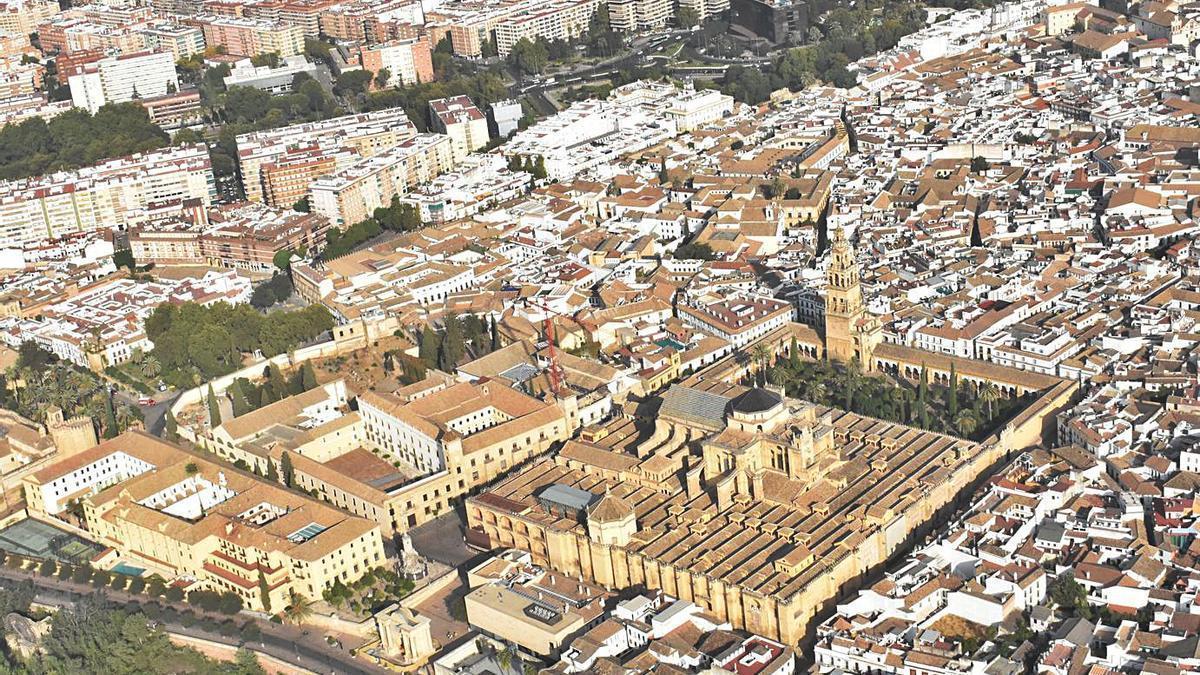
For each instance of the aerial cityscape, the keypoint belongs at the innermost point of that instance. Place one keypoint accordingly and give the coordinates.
(518, 337)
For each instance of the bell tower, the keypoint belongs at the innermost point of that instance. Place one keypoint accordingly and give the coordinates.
(850, 330)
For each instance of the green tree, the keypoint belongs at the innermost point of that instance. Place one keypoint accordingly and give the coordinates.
(794, 354)
(214, 410)
(687, 17)
(952, 394)
(308, 376)
(285, 467)
(530, 57)
(495, 333)
(110, 417)
(300, 608)
(453, 345)
(264, 592)
(430, 347)
(923, 398)
(979, 164)
(694, 251)
(966, 423)
(988, 395)
(283, 259)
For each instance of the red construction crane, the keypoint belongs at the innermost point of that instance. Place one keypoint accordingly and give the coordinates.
(556, 376)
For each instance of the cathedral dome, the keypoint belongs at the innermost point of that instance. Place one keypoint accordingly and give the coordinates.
(755, 401)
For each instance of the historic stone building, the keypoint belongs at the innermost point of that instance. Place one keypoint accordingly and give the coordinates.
(786, 503)
(851, 332)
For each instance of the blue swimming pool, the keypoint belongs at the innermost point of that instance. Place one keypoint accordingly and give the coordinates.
(132, 571)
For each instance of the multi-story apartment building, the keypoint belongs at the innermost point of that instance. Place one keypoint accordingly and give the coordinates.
(352, 195)
(345, 139)
(182, 515)
(23, 16)
(305, 14)
(250, 37)
(117, 79)
(472, 24)
(705, 9)
(628, 16)
(556, 20)
(406, 60)
(466, 125)
(109, 196)
(182, 41)
(236, 236)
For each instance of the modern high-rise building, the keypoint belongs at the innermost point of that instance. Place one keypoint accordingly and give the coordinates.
(117, 79)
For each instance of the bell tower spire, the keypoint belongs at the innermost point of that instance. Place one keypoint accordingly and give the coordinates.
(850, 330)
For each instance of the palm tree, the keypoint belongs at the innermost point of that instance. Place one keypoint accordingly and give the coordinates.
(989, 394)
(761, 356)
(299, 608)
(151, 366)
(816, 391)
(966, 423)
(505, 658)
(777, 376)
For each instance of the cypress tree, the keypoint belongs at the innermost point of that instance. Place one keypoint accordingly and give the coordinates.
(495, 335)
(110, 417)
(952, 398)
(277, 382)
(453, 347)
(922, 397)
(285, 467)
(794, 354)
(272, 472)
(241, 405)
(171, 427)
(308, 376)
(214, 410)
(429, 347)
(264, 592)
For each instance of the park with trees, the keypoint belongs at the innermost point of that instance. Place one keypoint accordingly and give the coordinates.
(194, 342)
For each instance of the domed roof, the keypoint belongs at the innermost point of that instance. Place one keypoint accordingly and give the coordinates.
(755, 401)
(610, 508)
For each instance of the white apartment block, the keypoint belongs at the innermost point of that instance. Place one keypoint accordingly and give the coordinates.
(363, 134)
(555, 20)
(109, 196)
(118, 79)
(628, 16)
(705, 8)
(352, 195)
